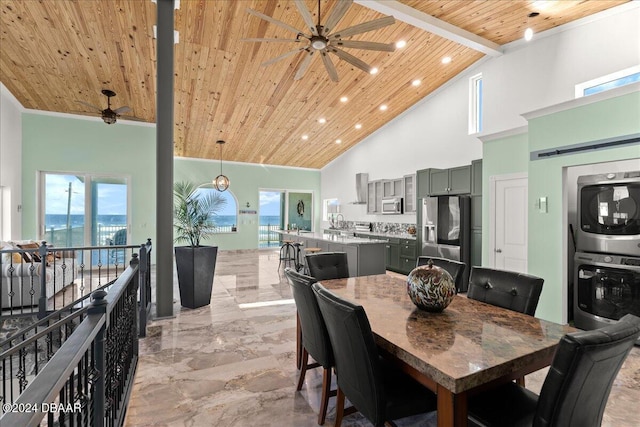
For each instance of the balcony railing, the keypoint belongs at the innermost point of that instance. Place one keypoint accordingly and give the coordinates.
(76, 366)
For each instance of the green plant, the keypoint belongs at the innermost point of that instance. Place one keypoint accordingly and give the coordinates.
(194, 212)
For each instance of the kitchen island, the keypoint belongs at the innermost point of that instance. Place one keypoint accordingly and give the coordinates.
(365, 256)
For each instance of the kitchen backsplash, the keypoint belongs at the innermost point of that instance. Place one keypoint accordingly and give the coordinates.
(379, 227)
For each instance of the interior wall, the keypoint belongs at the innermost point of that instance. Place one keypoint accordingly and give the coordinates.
(10, 165)
(548, 231)
(529, 76)
(60, 144)
(246, 182)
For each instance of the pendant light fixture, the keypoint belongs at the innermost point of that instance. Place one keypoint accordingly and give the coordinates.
(221, 183)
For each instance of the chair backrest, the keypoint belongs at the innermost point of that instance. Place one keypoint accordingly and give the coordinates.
(507, 289)
(578, 384)
(355, 352)
(328, 265)
(455, 268)
(314, 332)
(120, 237)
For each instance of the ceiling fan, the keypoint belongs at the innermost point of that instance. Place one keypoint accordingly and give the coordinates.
(323, 39)
(108, 115)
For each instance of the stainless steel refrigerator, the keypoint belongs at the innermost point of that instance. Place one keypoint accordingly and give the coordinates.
(445, 230)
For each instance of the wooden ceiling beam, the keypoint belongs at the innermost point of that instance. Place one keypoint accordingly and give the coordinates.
(433, 25)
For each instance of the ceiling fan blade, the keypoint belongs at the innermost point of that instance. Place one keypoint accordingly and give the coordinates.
(132, 118)
(357, 44)
(331, 69)
(270, 40)
(337, 13)
(90, 106)
(273, 21)
(351, 59)
(304, 65)
(364, 27)
(284, 55)
(123, 109)
(306, 15)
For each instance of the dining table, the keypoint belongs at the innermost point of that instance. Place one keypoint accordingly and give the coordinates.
(468, 347)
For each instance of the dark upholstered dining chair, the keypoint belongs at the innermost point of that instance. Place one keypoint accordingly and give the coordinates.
(379, 391)
(507, 289)
(576, 389)
(315, 340)
(328, 265)
(455, 268)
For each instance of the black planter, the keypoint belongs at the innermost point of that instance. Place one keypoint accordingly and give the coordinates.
(196, 268)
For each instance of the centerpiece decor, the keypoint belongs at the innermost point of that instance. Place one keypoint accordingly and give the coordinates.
(430, 288)
(194, 212)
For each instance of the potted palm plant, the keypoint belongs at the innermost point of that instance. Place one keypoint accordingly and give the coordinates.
(194, 220)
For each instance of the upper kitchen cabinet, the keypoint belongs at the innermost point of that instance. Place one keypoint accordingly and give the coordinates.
(450, 181)
(409, 193)
(374, 198)
(476, 177)
(392, 188)
(423, 179)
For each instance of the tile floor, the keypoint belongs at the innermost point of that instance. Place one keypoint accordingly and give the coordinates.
(227, 364)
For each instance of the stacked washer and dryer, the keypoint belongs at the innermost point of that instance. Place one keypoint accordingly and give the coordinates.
(607, 258)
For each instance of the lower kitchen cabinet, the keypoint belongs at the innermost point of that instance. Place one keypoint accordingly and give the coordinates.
(476, 247)
(407, 255)
(392, 254)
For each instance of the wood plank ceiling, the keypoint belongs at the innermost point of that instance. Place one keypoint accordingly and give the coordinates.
(55, 53)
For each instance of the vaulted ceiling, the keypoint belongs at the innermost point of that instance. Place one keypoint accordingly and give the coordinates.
(56, 53)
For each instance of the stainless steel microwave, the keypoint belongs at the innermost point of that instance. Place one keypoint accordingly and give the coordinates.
(392, 205)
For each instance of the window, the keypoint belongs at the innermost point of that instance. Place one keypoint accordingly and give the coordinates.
(475, 104)
(608, 82)
(330, 208)
(83, 209)
(226, 219)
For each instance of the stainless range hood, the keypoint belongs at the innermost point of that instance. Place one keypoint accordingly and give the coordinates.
(362, 182)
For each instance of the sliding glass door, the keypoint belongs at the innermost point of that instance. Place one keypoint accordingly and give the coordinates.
(83, 209)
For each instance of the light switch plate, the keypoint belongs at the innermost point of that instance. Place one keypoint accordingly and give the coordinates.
(542, 205)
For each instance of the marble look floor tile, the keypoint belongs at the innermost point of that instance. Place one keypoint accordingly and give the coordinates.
(223, 365)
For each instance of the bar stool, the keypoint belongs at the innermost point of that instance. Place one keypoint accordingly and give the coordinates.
(297, 260)
(309, 251)
(287, 253)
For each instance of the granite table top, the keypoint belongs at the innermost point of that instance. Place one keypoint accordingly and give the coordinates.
(467, 345)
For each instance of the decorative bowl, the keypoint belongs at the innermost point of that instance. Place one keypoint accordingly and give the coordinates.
(430, 288)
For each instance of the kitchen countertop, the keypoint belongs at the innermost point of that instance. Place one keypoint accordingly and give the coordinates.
(373, 233)
(347, 240)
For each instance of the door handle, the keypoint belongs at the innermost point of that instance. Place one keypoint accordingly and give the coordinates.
(499, 251)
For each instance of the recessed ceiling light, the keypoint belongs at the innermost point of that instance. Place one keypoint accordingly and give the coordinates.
(528, 34)
(374, 70)
(446, 59)
(338, 141)
(344, 99)
(383, 107)
(322, 120)
(400, 44)
(416, 82)
(305, 137)
(358, 126)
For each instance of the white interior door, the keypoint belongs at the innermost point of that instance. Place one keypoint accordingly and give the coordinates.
(510, 223)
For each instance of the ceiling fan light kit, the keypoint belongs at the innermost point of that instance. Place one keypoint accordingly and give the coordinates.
(108, 115)
(324, 41)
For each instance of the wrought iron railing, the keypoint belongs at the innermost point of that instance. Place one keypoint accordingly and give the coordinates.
(45, 279)
(88, 380)
(268, 236)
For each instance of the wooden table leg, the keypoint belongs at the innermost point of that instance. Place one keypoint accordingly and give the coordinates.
(452, 408)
